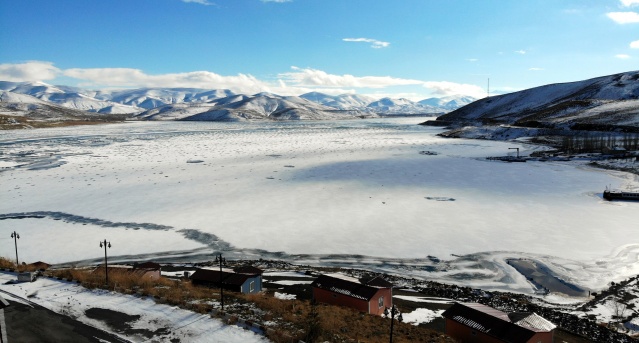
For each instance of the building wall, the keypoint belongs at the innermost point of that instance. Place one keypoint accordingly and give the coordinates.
(387, 301)
(542, 337)
(371, 307)
(327, 297)
(465, 334)
(246, 287)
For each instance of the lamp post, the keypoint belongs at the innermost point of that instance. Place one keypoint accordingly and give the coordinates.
(105, 244)
(221, 260)
(515, 149)
(15, 237)
(394, 311)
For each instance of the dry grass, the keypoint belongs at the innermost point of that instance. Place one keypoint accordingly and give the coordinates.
(335, 324)
(293, 320)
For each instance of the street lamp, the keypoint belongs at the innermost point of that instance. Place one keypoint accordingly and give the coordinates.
(515, 149)
(105, 244)
(221, 260)
(394, 311)
(15, 237)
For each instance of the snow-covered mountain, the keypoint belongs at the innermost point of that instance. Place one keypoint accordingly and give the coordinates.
(148, 98)
(342, 101)
(242, 107)
(390, 106)
(69, 97)
(182, 103)
(606, 102)
(23, 105)
(449, 103)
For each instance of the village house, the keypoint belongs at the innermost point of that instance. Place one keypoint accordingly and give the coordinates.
(246, 280)
(473, 322)
(369, 295)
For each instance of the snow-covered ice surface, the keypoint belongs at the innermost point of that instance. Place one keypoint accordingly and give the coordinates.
(162, 322)
(354, 193)
(421, 315)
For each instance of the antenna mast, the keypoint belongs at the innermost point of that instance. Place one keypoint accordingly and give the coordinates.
(488, 89)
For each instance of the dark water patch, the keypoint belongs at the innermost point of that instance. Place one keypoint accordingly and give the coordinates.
(440, 198)
(76, 219)
(543, 278)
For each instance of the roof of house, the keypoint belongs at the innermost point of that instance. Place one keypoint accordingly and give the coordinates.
(147, 265)
(531, 321)
(213, 276)
(497, 323)
(248, 270)
(350, 287)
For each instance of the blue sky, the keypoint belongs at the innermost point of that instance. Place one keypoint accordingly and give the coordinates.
(402, 48)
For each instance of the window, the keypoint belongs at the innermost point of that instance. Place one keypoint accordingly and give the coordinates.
(381, 301)
(252, 287)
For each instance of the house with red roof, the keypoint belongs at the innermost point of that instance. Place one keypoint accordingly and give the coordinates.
(369, 295)
(473, 322)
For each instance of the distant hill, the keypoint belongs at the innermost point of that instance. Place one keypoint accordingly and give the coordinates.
(602, 103)
(259, 106)
(208, 104)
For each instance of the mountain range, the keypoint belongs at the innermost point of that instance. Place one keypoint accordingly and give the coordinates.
(32, 99)
(603, 103)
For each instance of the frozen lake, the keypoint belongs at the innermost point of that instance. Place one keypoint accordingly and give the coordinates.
(355, 193)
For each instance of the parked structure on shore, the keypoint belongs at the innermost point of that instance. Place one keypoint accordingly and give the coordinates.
(620, 195)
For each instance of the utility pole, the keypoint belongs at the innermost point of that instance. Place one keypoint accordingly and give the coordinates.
(106, 268)
(221, 260)
(488, 89)
(515, 149)
(15, 237)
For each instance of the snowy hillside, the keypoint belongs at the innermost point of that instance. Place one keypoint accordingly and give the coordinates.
(390, 106)
(597, 103)
(28, 106)
(242, 107)
(73, 98)
(148, 98)
(342, 101)
(449, 103)
(220, 104)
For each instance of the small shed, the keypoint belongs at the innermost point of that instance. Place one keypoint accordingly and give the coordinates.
(248, 283)
(369, 295)
(473, 322)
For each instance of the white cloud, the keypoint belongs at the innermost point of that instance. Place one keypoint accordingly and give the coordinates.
(375, 43)
(629, 3)
(126, 77)
(622, 56)
(472, 60)
(445, 88)
(535, 69)
(314, 77)
(635, 44)
(28, 71)
(201, 2)
(521, 52)
(280, 1)
(295, 82)
(624, 17)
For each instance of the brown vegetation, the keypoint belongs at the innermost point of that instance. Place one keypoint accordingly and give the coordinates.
(289, 320)
(20, 122)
